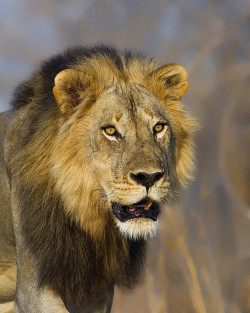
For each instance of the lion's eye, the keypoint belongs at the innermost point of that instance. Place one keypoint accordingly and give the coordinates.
(158, 128)
(110, 130)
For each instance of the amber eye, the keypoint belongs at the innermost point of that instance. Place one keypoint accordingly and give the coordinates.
(158, 128)
(110, 130)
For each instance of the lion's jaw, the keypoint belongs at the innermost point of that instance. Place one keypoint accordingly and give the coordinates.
(135, 211)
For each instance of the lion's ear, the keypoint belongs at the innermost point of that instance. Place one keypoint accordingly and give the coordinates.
(174, 77)
(69, 86)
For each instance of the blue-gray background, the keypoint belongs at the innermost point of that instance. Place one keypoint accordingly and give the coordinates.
(200, 261)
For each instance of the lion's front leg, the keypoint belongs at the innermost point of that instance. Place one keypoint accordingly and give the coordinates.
(29, 297)
(29, 300)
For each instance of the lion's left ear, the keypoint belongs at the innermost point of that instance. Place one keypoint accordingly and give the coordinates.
(174, 77)
(69, 86)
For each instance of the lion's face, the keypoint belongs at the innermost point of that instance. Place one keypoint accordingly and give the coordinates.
(124, 152)
(130, 143)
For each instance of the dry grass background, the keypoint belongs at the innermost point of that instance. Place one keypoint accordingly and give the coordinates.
(200, 260)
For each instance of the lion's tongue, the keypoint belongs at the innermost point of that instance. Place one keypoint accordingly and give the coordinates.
(132, 209)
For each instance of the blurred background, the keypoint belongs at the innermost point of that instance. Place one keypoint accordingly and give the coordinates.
(200, 260)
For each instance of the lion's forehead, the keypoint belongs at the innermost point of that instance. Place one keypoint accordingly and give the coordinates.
(132, 104)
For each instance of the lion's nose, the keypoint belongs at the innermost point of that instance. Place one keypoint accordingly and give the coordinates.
(146, 179)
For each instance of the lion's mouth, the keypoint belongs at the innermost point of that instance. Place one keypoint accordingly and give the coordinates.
(145, 208)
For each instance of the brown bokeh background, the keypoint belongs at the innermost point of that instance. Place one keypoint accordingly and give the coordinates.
(200, 260)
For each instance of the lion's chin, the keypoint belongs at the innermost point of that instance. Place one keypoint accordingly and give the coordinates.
(138, 220)
(138, 228)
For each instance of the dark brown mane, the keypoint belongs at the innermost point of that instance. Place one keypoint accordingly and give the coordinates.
(71, 262)
(41, 82)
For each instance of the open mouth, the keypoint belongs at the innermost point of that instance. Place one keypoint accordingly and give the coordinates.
(145, 208)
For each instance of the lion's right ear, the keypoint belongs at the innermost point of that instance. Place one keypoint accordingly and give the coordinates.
(69, 86)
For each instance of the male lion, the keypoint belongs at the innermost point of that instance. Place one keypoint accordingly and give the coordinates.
(97, 139)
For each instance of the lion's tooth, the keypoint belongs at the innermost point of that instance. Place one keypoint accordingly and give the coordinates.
(147, 207)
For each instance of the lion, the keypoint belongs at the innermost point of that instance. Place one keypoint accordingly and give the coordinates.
(96, 141)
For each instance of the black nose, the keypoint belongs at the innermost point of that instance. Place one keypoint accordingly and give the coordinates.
(146, 179)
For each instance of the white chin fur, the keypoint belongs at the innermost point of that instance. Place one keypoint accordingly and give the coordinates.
(138, 228)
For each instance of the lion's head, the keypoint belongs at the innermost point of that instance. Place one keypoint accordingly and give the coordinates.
(124, 144)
